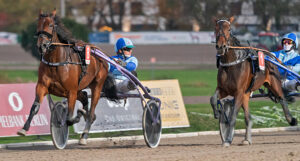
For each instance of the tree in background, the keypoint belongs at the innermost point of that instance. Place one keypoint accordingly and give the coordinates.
(269, 9)
(172, 11)
(101, 12)
(186, 11)
(29, 39)
(20, 13)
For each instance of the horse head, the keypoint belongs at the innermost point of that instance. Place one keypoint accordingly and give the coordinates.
(45, 31)
(223, 33)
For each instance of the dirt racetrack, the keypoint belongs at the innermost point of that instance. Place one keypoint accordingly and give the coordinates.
(266, 146)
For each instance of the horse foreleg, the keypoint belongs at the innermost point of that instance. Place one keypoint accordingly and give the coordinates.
(290, 119)
(83, 98)
(214, 103)
(248, 121)
(71, 104)
(41, 91)
(232, 120)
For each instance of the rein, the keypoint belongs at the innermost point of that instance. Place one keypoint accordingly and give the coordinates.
(257, 49)
(59, 63)
(67, 62)
(238, 61)
(60, 44)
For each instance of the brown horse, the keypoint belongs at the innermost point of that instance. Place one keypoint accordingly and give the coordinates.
(237, 79)
(60, 73)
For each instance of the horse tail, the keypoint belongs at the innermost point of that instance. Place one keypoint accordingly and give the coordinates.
(109, 88)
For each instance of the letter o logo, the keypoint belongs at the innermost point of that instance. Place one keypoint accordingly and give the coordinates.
(11, 101)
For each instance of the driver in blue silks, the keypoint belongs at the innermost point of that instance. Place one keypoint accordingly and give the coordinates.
(291, 59)
(123, 48)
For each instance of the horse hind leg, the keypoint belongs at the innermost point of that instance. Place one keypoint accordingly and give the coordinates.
(276, 89)
(290, 119)
(248, 121)
(96, 91)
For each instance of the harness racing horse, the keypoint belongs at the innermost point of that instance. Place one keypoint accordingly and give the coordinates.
(236, 78)
(60, 74)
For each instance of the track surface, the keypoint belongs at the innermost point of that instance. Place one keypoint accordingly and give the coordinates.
(266, 146)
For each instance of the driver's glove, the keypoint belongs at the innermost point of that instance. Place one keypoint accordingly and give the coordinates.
(121, 62)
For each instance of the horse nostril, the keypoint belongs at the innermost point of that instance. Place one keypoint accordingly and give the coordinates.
(224, 46)
(217, 46)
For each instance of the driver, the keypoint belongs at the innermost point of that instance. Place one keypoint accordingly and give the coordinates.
(123, 48)
(290, 58)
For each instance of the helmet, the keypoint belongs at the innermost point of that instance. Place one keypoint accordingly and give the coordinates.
(292, 37)
(123, 43)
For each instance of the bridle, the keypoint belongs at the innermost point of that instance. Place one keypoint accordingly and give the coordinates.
(229, 46)
(43, 34)
(222, 34)
(49, 45)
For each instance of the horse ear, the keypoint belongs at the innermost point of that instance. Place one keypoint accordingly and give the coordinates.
(214, 19)
(231, 19)
(54, 12)
(40, 12)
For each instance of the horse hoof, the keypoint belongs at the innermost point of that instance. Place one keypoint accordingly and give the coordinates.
(226, 144)
(81, 112)
(22, 132)
(294, 122)
(246, 142)
(217, 114)
(70, 122)
(82, 141)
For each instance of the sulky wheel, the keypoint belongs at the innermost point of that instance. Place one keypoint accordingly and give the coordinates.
(224, 120)
(152, 131)
(59, 127)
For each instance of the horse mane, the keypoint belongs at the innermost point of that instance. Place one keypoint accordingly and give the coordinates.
(235, 41)
(64, 34)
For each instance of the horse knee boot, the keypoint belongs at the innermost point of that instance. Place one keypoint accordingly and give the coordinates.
(213, 102)
(85, 101)
(33, 111)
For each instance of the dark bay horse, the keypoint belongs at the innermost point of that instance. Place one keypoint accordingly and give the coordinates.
(235, 78)
(60, 74)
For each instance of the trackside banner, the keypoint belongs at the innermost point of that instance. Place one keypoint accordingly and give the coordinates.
(173, 112)
(164, 37)
(127, 114)
(15, 104)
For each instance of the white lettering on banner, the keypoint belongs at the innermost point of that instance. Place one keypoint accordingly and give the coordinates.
(11, 97)
(205, 37)
(121, 104)
(121, 118)
(39, 120)
(19, 120)
(11, 121)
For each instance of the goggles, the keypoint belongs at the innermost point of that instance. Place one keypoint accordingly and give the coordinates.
(287, 41)
(127, 49)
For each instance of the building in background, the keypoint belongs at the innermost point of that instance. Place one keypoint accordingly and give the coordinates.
(186, 15)
(122, 15)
